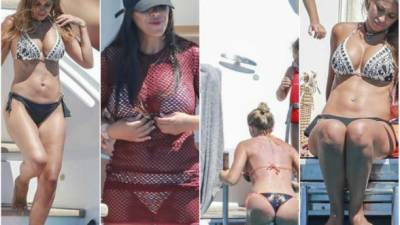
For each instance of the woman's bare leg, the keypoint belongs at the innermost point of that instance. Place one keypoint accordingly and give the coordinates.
(52, 134)
(288, 213)
(327, 142)
(366, 140)
(25, 134)
(259, 210)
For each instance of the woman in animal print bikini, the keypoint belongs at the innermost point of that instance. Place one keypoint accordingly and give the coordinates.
(353, 129)
(37, 36)
(269, 163)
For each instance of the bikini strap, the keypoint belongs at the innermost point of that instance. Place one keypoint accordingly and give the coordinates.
(272, 166)
(8, 106)
(350, 34)
(66, 111)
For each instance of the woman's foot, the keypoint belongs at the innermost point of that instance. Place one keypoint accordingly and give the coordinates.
(19, 197)
(359, 220)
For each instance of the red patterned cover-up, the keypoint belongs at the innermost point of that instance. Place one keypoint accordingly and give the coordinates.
(154, 182)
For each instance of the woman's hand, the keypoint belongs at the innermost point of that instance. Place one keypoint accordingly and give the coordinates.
(223, 175)
(177, 123)
(286, 83)
(316, 30)
(135, 129)
(66, 19)
(107, 143)
(79, 48)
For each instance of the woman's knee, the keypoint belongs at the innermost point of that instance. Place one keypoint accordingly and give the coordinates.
(37, 162)
(329, 133)
(359, 137)
(50, 176)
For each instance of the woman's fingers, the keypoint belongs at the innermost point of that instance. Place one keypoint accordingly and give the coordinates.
(146, 126)
(143, 139)
(163, 120)
(137, 123)
(63, 22)
(61, 19)
(146, 132)
(64, 19)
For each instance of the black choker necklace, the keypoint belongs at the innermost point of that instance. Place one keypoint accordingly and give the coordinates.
(369, 35)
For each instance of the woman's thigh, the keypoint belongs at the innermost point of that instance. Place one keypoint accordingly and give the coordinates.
(52, 135)
(326, 132)
(288, 212)
(24, 132)
(378, 134)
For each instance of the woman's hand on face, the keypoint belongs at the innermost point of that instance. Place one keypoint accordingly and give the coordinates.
(177, 123)
(65, 19)
(136, 129)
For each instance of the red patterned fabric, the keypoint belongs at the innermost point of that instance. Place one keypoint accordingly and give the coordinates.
(155, 182)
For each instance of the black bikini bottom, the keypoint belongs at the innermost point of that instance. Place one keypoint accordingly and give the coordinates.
(346, 121)
(277, 199)
(38, 112)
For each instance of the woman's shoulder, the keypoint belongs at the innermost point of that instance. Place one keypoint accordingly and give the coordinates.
(186, 45)
(343, 29)
(110, 52)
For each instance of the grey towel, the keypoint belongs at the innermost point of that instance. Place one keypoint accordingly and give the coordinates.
(211, 134)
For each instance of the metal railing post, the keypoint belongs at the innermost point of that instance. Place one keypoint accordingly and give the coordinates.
(225, 192)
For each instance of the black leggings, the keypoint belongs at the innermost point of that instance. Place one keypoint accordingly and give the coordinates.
(38, 112)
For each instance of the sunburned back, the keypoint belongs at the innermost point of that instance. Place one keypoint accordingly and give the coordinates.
(269, 165)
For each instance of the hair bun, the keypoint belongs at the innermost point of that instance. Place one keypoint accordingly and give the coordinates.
(263, 107)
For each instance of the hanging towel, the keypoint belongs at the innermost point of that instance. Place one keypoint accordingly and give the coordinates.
(211, 134)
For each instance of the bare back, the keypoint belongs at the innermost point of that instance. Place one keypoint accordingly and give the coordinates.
(270, 163)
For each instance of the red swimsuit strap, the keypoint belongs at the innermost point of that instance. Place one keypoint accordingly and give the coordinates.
(271, 166)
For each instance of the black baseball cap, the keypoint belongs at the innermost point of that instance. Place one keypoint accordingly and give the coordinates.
(144, 5)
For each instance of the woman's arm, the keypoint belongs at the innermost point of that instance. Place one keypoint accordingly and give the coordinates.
(334, 43)
(177, 123)
(80, 51)
(285, 85)
(135, 129)
(6, 27)
(295, 159)
(315, 25)
(232, 175)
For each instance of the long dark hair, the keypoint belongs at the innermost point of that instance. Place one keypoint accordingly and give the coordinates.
(129, 74)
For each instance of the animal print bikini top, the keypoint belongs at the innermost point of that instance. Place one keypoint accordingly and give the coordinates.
(28, 50)
(378, 67)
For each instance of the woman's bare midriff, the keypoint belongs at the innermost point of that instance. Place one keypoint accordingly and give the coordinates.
(37, 80)
(263, 152)
(354, 96)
